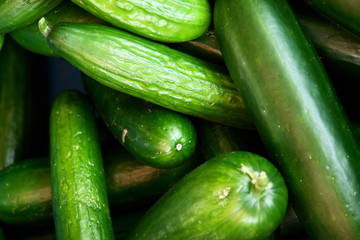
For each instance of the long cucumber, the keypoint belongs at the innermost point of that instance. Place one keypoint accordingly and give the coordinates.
(150, 71)
(80, 202)
(296, 111)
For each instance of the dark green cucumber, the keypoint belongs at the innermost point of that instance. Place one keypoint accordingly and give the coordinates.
(343, 12)
(236, 195)
(25, 192)
(14, 102)
(2, 36)
(80, 202)
(296, 112)
(30, 38)
(164, 21)
(18, 13)
(155, 135)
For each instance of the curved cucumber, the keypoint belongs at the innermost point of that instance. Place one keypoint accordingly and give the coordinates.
(14, 102)
(237, 195)
(18, 13)
(157, 136)
(25, 192)
(296, 112)
(150, 71)
(342, 12)
(30, 38)
(164, 21)
(80, 201)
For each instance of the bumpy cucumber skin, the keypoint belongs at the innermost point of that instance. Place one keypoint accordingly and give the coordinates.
(157, 136)
(30, 38)
(216, 201)
(296, 113)
(14, 102)
(342, 12)
(164, 21)
(150, 71)
(25, 192)
(18, 13)
(80, 201)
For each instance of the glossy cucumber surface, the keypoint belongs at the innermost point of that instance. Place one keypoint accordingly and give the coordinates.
(25, 193)
(150, 71)
(18, 13)
(296, 112)
(158, 136)
(80, 202)
(14, 102)
(164, 21)
(30, 38)
(237, 195)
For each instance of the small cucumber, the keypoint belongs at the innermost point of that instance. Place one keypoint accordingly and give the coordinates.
(236, 195)
(150, 71)
(25, 192)
(15, 14)
(80, 202)
(30, 38)
(155, 135)
(296, 111)
(15, 102)
(164, 21)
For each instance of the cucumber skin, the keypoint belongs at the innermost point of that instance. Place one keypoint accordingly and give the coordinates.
(15, 14)
(30, 38)
(342, 12)
(14, 102)
(150, 71)
(209, 203)
(19, 203)
(164, 21)
(157, 136)
(304, 128)
(80, 203)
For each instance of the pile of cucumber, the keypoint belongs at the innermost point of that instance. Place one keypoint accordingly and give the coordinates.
(201, 119)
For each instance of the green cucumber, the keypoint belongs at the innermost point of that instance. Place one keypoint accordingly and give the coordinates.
(14, 102)
(164, 21)
(155, 135)
(150, 71)
(30, 38)
(15, 14)
(80, 202)
(236, 195)
(25, 192)
(2, 36)
(296, 112)
(342, 12)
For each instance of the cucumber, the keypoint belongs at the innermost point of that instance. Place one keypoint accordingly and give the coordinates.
(15, 102)
(343, 12)
(1, 40)
(155, 135)
(25, 192)
(164, 21)
(80, 202)
(30, 38)
(236, 195)
(19, 13)
(150, 71)
(296, 112)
